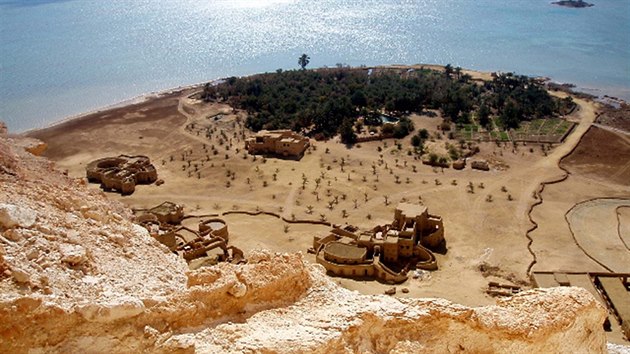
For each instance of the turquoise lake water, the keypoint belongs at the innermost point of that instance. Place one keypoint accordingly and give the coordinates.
(61, 58)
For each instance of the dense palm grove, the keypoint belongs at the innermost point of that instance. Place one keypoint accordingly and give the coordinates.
(329, 101)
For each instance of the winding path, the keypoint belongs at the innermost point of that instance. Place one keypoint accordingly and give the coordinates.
(189, 119)
(587, 117)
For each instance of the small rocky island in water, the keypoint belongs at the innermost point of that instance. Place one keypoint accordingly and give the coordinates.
(573, 3)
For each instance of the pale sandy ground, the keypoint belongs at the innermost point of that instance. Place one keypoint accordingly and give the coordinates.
(603, 244)
(477, 231)
(596, 171)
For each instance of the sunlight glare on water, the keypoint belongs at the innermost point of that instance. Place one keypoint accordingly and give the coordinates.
(64, 57)
(254, 3)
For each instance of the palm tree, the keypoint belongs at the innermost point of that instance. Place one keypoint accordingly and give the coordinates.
(303, 61)
(448, 70)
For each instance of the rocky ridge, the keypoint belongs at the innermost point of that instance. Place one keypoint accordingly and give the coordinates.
(76, 274)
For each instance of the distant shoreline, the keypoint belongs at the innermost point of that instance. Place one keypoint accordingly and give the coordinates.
(153, 95)
(156, 95)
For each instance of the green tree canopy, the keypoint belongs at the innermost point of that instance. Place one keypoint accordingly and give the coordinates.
(321, 100)
(347, 133)
(483, 115)
(358, 99)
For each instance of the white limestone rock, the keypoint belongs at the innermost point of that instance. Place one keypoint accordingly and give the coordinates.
(72, 254)
(124, 307)
(16, 216)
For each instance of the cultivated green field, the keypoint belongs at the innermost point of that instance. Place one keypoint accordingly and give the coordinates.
(551, 130)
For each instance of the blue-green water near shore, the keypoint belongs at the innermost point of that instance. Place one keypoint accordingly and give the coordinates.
(63, 57)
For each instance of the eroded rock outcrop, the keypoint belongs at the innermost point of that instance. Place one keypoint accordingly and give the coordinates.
(77, 275)
(334, 320)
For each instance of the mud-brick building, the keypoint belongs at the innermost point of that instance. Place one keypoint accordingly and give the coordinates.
(121, 173)
(168, 213)
(277, 142)
(386, 252)
(416, 225)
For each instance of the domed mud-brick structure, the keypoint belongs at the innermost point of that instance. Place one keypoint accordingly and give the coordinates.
(121, 173)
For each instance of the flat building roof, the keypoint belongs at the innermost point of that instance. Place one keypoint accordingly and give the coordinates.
(342, 250)
(410, 210)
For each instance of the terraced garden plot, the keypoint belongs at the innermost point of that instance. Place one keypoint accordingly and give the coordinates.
(467, 131)
(474, 132)
(552, 130)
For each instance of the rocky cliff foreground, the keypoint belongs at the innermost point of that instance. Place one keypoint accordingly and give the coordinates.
(76, 275)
